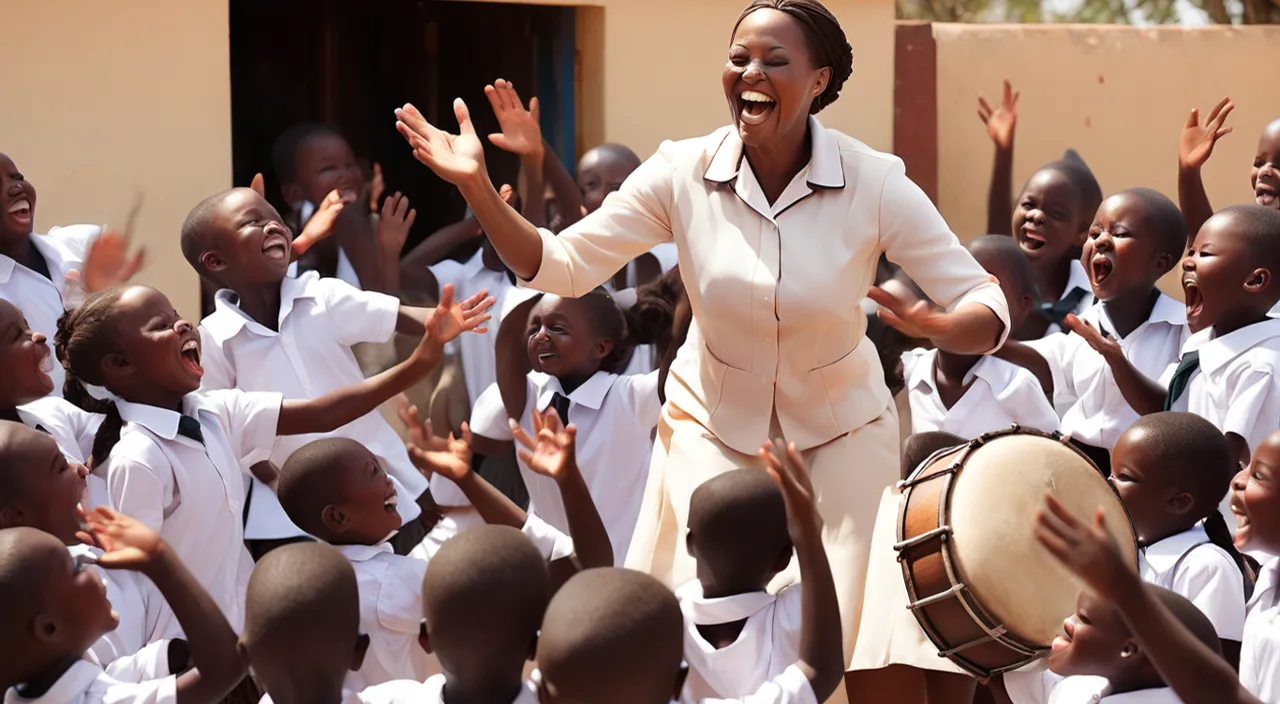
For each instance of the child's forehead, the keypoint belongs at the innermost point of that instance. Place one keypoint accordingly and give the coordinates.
(323, 144)
(6, 164)
(9, 313)
(1269, 140)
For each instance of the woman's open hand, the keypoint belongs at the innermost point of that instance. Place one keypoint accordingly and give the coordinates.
(456, 158)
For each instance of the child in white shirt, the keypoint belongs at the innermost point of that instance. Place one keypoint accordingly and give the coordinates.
(613, 630)
(41, 489)
(1172, 470)
(1136, 238)
(174, 454)
(973, 394)
(55, 610)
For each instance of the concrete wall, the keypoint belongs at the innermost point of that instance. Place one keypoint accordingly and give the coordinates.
(109, 99)
(1118, 95)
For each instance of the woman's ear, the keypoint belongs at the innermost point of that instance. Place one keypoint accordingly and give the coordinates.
(824, 80)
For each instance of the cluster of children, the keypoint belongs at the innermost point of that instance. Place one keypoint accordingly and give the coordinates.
(230, 500)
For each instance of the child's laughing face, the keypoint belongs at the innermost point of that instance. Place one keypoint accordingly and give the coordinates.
(17, 201)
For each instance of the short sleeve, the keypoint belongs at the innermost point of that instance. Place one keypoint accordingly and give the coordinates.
(218, 372)
(400, 594)
(553, 544)
(161, 691)
(1027, 403)
(357, 316)
(914, 236)
(632, 221)
(1057, 350)
(1029, 686)
(252, 418)
(791, 687)
(136, 487)
(640, 393)
(489, 416)
(1253, 409)
(149, 663)
(1210, 580)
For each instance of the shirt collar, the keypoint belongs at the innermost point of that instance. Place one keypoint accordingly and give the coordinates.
(475, 265)
(826, 168)
(74, 682)
(1166, 310)
(363, 553)
(1077, 278)
(1218, 351)
(59, 261)
(1162, 555)
(1155, 695)
(1268, 576)
(590, 394)
(161, 421)
(922, 372)
(227, 320)
(986, 368)
(702, 611)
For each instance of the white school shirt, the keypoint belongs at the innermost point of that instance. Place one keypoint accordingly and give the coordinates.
(1036, 685)
(310, 356)
(1206, 576)
(1236, 387)
(73, 428)
(429, 692)
(615, 416)
(479, 365)
(768, 644)
(390, 614)
(43, 300)
(344, 271)
(488, 418)
(1260, 650)
(86, 683)
(1000, 395)
(137, 650)
(192, 494)
(1077, 278)
(791, 687)
(1096, 413)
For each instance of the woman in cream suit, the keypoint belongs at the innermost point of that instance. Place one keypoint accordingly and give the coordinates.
(779, 223)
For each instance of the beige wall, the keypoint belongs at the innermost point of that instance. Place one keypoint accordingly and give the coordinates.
(1118, 95)
(108, 99)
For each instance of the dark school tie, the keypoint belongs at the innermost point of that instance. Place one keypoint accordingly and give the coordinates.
(1057, 311)
(1187, 367)
(560, 402)
(189, 428)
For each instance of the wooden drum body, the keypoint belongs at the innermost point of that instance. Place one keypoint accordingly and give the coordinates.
(986, 593)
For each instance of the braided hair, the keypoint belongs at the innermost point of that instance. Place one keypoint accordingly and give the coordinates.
(85, 336)
(828, 44)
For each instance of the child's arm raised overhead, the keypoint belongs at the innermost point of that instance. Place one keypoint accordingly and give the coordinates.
(394, 224)
(129, 545)
(1194, 149)
(821, 646)
(1000, 123)
(337, 408)
(512, 351)
(1142, 394)
(1196, 673)
(568, 195)
(521, 135)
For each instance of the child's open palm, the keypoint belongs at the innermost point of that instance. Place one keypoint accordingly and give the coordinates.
(521, 131)
(449, 319)
(320, 225)
(449, 457)
(394, 224)
(551, 452)
(1002, 120)
(1088, 550)
(126, 543)
(1197, 142)
(787, 468)
(1101, 342)
(456, 158)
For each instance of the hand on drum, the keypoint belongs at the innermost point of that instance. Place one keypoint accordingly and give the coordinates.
(1086, 549)
(787, 468)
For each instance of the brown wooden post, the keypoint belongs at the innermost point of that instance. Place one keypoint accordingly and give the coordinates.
(915, 103)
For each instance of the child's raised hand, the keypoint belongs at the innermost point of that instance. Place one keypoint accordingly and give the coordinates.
(914, 318)
(1002, 120)
(449, 457)
(521, 131)
(787, 468)
(126, 543)
(259, 185)
(320, 225)
(1101, 342)
(449, 319)
(377, 186)
(1086, 549)
(1197, 141)
(456, 158)
(551, 452)
(394, 224)
(108, 262)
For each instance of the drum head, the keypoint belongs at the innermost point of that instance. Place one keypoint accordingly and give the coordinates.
(993, 515)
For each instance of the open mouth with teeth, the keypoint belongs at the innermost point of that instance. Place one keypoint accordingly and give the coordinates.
(391, 503)
(1100, 267)
(1032, 240)
(755, 107)
(1062, 642)
(1266, 196)
(20, 210)
(1191, 294)
(191, 357)
(276, 247)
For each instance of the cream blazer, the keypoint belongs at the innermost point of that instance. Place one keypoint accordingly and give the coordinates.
(775, 288)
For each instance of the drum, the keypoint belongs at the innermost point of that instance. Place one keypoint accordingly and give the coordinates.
(986, 593)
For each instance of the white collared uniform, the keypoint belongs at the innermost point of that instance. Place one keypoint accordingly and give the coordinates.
(615, 416)
(1000, 394)
(137, 650)
(310, 356)
(73, 428)
(43, 300)
(390, 614)
(1187, 563)
(192, 493)
(1078, 278)
(1095, 411)
(791, 687)
(87, 683)
(768, 644)
(1043, 687)
(1260, 650)
(429, 692)
(1236, 388)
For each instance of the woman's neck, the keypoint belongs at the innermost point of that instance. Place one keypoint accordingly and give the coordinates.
(777, 163)
(1131, 310)
(261, 302)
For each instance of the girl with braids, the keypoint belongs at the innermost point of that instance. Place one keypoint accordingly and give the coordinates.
(170, 453)
(779, 223)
